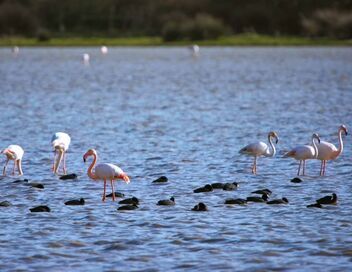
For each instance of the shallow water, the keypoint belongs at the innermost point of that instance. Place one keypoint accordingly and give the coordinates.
(157, 111)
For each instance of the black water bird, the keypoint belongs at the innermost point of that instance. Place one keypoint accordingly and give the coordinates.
(162, 179)
(69, 176)
(167, 202)
(238, 201)
(75, 202)
(315, 205)
(296, 180)
(40, 209)
(204, 189)
(262, 192)
(328, 200)
(5, 203)
(200, 207)
(127, 207)
(131, 201)
(230, 186)
(218, 185)
(283, 200)
(36, 185)
(258, 199)
(117, 194)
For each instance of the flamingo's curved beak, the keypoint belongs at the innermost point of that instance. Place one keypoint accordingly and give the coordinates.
(277, 140)
(125, 178)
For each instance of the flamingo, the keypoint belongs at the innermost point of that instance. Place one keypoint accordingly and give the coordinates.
(195, 50)
(104, 171)
(86, 58)
(304, 152)
(15, 153)
(104, 50)
(261, 149)
(327, 151)
(60, 141)
(15, 50)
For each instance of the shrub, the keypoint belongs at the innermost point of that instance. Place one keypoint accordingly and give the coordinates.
(43, 35)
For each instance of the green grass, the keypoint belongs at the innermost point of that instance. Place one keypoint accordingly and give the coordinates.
(236, 40)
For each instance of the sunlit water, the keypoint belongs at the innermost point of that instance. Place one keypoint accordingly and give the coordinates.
(158, 111)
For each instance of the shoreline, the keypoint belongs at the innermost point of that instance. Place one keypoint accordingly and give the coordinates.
(236, 40)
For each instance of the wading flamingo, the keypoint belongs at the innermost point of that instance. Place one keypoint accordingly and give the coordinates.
(86, 58)
(60, 141)
(304, 152)
(15, 153)
(104, 171)
(195, 50)
(104, 50)
(327, 151)
(261, 149)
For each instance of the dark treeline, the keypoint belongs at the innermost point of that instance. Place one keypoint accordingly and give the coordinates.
(175, 19)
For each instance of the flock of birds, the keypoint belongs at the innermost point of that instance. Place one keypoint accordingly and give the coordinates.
(109, 172)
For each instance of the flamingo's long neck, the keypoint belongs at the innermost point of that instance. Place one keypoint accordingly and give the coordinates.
(272, 152)
(315, 148)
(90, 172)
(339, 151)
(58, 160)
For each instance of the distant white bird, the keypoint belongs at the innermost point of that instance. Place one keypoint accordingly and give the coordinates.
(60, 142)
(304, 152)
(15, 50)
(86, 58)
(15, 153)
(104, 171)
(195, 50)
(104, 50)
(327, 151)
(261, 149)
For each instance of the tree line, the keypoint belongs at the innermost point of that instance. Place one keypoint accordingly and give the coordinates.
(175, 19)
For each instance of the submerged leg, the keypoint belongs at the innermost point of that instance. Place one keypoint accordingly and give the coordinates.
(104, 189)
(112, 190)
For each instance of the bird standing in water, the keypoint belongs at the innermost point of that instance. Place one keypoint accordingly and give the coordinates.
(104, 171)
(60, 142)
(304, 152)
(328, 151)
(15, 153)
(261, 149)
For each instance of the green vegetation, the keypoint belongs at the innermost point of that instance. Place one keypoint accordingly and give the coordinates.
(236, 40)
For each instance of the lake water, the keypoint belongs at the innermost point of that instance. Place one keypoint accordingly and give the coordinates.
(158, 111)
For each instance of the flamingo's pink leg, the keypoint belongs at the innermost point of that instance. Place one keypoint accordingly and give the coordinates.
(304, 167)
(14, 167)
(52, 168)
(299, 168)
(104, 189)
(64, 167)
(254, 168)
(112, 189)
(324, 168)
(4, 171)
(321, 167)
(19, 167)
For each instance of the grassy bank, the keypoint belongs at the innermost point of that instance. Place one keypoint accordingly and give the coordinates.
(236, 40)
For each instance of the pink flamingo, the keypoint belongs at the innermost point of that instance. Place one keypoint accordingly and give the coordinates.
(104, 171)
(15, 153)
(304, 152)
(328, 151)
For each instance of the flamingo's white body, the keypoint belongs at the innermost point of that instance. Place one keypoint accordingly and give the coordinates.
(60, 142)
(104, 50)
(260, 149)
(15, 50)
(195, 50)
(15, 153)
(86, 58)
(304, 152)
(104, 171)
(327, 151)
